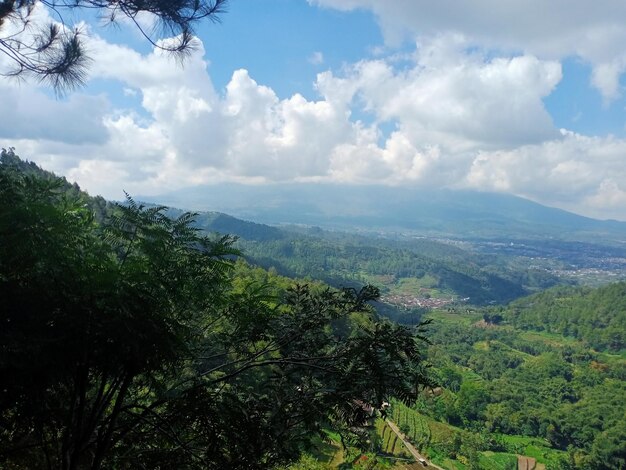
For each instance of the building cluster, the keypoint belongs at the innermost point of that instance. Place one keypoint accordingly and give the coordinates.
(413, 301)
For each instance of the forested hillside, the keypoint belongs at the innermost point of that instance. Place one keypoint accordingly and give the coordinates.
(539, 377)
(140, 342)
(411, 267)
(513, 384)
(136, 337)
(595, 316)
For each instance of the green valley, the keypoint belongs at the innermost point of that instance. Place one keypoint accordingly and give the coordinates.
(184, 344)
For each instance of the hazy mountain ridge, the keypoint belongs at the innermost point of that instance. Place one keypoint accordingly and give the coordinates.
(463, 214)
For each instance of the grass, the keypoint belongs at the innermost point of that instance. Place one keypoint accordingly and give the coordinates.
(551, 339)
(524, 440)
(485, 345)
(498, 461)
(450, 464)
(390, 443)
(413, 285)
(384, 281)
(440, 433)
(406, 286)
(534, 447)
(329, 453)
(487, 461)
(332, 435)
(469, 375)
(453, 317)
(613, 358)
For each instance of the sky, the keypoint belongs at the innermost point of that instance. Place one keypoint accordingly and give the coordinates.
(523, 97)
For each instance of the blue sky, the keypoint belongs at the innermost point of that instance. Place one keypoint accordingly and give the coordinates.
(274, 41)
(576, 105)
(522, 97)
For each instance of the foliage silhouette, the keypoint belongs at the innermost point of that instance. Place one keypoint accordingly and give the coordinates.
(141, 343)
(55, 53)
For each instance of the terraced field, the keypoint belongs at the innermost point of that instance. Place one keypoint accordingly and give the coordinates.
(434, 439)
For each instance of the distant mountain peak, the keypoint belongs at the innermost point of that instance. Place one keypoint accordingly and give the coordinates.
(442, 212)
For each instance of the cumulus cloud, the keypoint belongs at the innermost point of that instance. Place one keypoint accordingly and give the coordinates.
(608, 200)
(549, 30)
(463, 100)
(576, 172)
(459, 117)
(447, 103)
(30, 114)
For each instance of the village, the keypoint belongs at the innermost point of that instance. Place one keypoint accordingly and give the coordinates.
(412, 301)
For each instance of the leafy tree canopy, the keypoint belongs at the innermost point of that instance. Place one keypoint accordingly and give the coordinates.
(141, 343)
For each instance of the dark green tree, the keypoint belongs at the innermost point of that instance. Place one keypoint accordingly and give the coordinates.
(128, 344)
(609, 448)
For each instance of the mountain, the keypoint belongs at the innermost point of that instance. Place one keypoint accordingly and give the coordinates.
(458, 214)
(226, 224)
(409, 270)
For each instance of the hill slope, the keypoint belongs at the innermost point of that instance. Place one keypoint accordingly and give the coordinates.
(596, 316)
(411, 268)
(543, 377)
(465, 214)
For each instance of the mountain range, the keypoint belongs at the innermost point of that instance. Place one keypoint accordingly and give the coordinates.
(447, 213)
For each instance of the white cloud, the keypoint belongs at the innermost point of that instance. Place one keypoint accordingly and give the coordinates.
(552, 29)
(605, 77)
(577, 173)
(461, 119)
(609, 199)
(26, 113)
(453, 99)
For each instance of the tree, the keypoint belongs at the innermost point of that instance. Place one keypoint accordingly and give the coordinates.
(55, 53)
(128, 344)
(472, 401)
(609, 448)
(89, 317)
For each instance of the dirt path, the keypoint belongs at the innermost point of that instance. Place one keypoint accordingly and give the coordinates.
(414, 452)
(526, 463)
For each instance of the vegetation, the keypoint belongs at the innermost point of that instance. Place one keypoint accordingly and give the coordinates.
(594, 316)
(410, 268)
(56, 52)
(131, 339)
(139, 342)
(546, 396)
